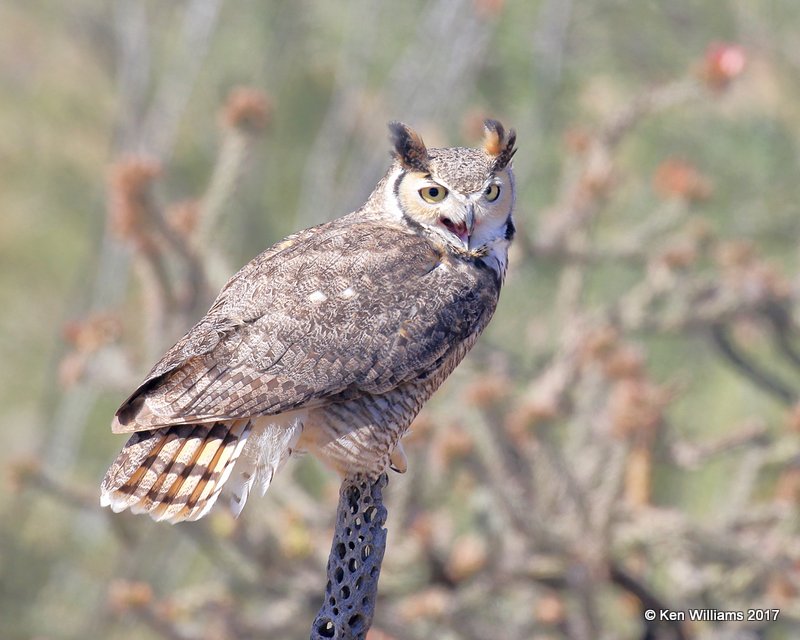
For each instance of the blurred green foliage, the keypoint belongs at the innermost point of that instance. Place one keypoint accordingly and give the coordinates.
(335, 73)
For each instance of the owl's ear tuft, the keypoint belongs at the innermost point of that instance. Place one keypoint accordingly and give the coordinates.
(499, 143)
(493, 134)
(409, 148)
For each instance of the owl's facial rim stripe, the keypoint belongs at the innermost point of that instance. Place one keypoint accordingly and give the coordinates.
(511, 228)
(396, 189)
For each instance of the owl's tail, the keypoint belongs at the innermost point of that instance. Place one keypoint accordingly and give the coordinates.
(174, 473)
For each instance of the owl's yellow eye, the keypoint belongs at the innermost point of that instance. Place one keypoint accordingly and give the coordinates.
(433, 194)
(492, 192)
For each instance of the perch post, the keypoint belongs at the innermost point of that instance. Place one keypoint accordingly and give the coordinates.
(354, 564)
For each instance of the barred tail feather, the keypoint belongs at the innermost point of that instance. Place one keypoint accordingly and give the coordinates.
(174, 473)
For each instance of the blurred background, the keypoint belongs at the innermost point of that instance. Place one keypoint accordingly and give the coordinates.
(623, 437)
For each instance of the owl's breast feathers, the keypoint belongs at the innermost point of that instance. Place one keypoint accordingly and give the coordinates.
(339, 311)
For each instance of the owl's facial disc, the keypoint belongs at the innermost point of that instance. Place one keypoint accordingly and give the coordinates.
(445, 211)
(468, 221)
(448, 209)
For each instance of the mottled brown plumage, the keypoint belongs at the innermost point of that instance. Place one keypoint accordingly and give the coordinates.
(328, 342)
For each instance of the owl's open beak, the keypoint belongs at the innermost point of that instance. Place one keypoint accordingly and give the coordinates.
(463, 228)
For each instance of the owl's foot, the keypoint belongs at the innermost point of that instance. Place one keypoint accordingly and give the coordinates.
(397, 459)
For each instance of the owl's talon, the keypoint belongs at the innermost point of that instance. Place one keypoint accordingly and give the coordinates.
(397, 459)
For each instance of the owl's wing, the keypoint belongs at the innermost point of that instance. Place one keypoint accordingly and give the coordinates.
(333, 312)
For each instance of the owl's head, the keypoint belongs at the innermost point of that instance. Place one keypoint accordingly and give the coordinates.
(462, 197)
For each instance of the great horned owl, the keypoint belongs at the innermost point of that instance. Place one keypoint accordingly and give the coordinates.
(328, 342)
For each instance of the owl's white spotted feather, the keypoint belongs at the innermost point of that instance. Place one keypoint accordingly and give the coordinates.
(330, 341)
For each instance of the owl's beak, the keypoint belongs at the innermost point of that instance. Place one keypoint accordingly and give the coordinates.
(462, 229)
(470, 226)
